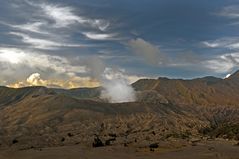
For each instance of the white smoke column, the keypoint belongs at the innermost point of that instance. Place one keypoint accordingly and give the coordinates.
(118, 91)
(116, 88)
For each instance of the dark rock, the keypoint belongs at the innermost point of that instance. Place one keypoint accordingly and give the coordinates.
(153, 133)
(14, 141)
(112, 135)
(97, 142)
(70, 135)
(154, 145)
(108, 142)
(35, 96)
(211, 148)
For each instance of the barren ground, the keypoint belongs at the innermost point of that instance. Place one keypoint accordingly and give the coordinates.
(204, 150)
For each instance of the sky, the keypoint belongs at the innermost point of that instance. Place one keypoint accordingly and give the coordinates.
(59, 43)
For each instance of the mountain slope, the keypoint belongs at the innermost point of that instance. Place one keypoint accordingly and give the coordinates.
(10, 96)
(53, 120)
(166, 110)
(201, 91)
(81, 93)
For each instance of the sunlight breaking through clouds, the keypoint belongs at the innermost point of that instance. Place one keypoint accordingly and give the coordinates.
(12, 55)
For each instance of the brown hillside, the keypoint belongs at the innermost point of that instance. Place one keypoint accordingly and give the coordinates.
(201, 91)
(166, 110)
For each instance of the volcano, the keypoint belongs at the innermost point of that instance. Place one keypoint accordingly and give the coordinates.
(166, 111)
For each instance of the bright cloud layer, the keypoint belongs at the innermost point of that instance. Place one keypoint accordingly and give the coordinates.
(35, 79)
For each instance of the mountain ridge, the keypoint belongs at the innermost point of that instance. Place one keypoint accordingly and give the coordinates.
(207, 91)
(201, 91)
(166, 110)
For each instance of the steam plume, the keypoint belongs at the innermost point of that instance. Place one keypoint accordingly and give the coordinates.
(115, 86)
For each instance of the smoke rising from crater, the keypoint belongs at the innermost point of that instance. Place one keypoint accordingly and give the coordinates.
(115, 86)
(118, 91)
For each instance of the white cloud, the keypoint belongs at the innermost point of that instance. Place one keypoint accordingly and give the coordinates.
(34, 59)
(226, 42)
(43, 43)
(219, 65)
(64, 16)
(97, 36)
(52, 17)
(234, 45)
(230, 11)
(11, 55)
(223, 63)
(35, 79)
(32, 27)
(103, 25)
(118, 80)
(211, 44)
(16, 64)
